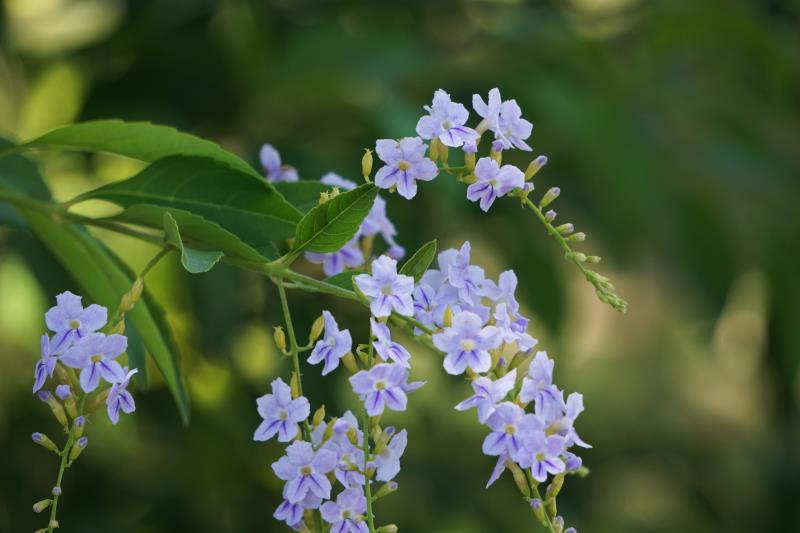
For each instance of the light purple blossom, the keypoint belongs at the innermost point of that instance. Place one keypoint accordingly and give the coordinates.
(304, 471)
(346, 514)
(292, 513)
(488, 394)
(493, 181)
(71, 321)
(63, 392)
(445, 120)
(467, 344)
(467, 278)
(119, 399)
(504, 119)
(511, 330)
(332, 347)
(377, 222)
(383, 386)
(405, 164)
(565, 426)
(388, 461)
(510, 427)
(281, 413)
(271, 161)
(44, 366)
(503, 290)
(542, 454)
(335, 180)
(94, 355)
(333, 263)
(538, 384)
(386, 289)
(385, 347)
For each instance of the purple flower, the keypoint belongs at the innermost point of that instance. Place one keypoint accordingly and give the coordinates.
(445, 120)
(467, 344)
(44, 366)
(542, 454)
(71, 321)
(346, 514)
(334, 263)
(488, 394)
(332, 347)
(468, 279)
(504, 119)
(386, 289)
(430, 304)
(503, 290)
(304, 471)
(405, 164)
(292, 513)
(565, 426)
(511, 331)
(377, 222)
(348, 456)
(94, 355)
(538, 384)
(498, 470)
(382, 386)
(281, 413)
(388, 461)
(335, 180)
(493, 181)
(271, 161)
(63, 392)
(510, 427)
(119, 399)
(386, 348)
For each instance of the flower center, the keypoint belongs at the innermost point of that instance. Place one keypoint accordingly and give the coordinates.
(307, 470)
(493, 182)
(380, 385)
(283, 414)
(386, 290)
(346, 514)
(74, 324)
(403, 165)
(447, 124)
(510, 429)
(96, 358)
(467, 345)
(540, 456)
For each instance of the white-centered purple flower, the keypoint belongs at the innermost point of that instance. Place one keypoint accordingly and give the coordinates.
(467, 343)
(377, 222)
(493, 181)
(387, 349)
(565, 425)
(332, 347)
(95, 356)
(276, 171)
(467, 278)
(333, 263)
(542, 454)
(345, 515)
(538, 384)
(387, 462)
(281, 413)
(386, 289)
(510, 427)
(504, 119)
(383, 386)
(304, 471)
(119, 399)
(488, 394)
(503, 291)
(405, 164)
(511, 332)
(292, 513)
(45, 366)
(70, 321)
(445, 120)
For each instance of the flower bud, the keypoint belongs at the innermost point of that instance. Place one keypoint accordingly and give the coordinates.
(63, 392)
(386, 489)
(496, 155)
(433, 149)
(469, 160)
(52, 524)
(550, 506)
(447, 319)
(78, 426)
(130, 298)
(577, 237)
(119, 328)
(555, 486)
(550, 216)
(558, 524)
(538, 509)
(40, 506)
(349, 362)
(62, 376)
(316, 329)
(593, 259)
(519, 478)
(280, 338)
(389, 528)
(294, 384)
(352, 435)
(579, 257)
(565, 229)
(98, 401)
(444, 152)
(78, 448)
(366, 163)
(56, 491)
(329, 429)
(549, 196)
(570, 530)
(381, 439)
(43, 440)
(319, 416)
(55, 407)
(535, 166)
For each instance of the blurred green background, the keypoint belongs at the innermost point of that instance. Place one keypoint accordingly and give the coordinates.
(673, 130)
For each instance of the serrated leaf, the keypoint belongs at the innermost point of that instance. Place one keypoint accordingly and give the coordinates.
(137, 140)
(248, 208)
(329, 226)
(416, 265)
(344, 279)
(194, 261)
(304, 195)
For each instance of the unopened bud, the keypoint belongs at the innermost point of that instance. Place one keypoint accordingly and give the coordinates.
(56, 491)
(558, 524)
(78, 426)
(577, 237)
(280, 338)
(130, 298)
(550, 506)
(294, 384)
(63, 392)
(78, 448)
(389, 528)
(98, 401)
(444, 153)
(349, 362)
(381, 440)
(119, 328)
(550, 215)
(565, 229)
(40, 506)
(352, 435)
(551, 194)
(579, 257)
(555, 486)
(316, 329)
(570, 530)
(366, 164)
(593, 259)
(319, 416)
(55, 406)
(469, 160)
(43, 440)
(447, 319)
(538, 509)
(386, 489)
(433, 150)
(535, 166)
(329, 429)
(52, 524)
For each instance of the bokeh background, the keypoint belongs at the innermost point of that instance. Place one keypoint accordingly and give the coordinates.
(673, 130)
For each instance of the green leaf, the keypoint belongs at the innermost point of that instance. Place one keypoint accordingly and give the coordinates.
(416, 265)
(195, 261)
(304, 195)
(137, 140)
(250, 209)
(344, 279)
(329, 226)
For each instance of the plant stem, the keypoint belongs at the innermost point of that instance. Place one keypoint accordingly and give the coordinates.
(535, 490)
(62, 467)
(367, 480)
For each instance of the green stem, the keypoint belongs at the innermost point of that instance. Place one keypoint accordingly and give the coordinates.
(535, 490)
(367, 480)
(62, 467)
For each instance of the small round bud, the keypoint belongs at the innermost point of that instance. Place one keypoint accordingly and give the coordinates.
(565, 229)
(558, 524)
(447, 319)
(549, 196)
(63, 392)
(280, 338)
(570, 530)
(389, 528)
(535, 166)
(319, 416)
(366, 164)
(56, 491)
(593, 259)
(294, 384)
(579, 257)
(77, 426)
(316, 329)
(550, 215)
(386, 489)
(538, 509)
(577, 237)
(349, 362)
(433, 149)
(40, 506)
(78, 448)
(53, 524)
(43, 440)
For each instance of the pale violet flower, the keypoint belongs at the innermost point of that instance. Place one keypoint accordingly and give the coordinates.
(503, 290)
(405, 164)
(44, 366)
(333, 263)
(385, 347)
(467, 344)
(95, 356)
(488, 394)
(542, 454)
(335, 180)
(63, 392)
(304, 471)
(511, 332)
(332, 347)
(493, 181)
(510, 427)
(445, 120)
(565, 426)
(119, 399)
(388, 460)
(467, 278)
(271, 161)
(292, 513)
(281, 413)
(383, 386)
(504, 119)
(386, 289)
(71, 321)
(538, 384)
(345, 515)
